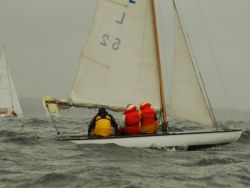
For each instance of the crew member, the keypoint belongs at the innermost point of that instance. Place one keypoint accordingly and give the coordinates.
(149, 122)
(130, 122)
(102, 124)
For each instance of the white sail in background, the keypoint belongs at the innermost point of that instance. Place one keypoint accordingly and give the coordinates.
(8, 96)
(15, 99)
(118, 63)
(187, 100)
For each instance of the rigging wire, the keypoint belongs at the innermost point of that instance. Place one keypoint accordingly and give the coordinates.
(205, 92)
(160, 26)
(53, 122)
(215, 62)
(199, 76)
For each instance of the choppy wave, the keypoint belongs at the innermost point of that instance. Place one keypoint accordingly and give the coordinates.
(30, 156)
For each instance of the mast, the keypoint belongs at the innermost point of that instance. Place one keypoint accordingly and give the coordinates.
(163, 100)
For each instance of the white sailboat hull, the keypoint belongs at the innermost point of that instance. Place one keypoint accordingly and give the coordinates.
(6, 115)
(190, 140)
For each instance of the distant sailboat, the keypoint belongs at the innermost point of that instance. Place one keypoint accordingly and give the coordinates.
(9, 102)
(120, 65)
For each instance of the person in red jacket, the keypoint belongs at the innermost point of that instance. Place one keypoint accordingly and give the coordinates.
(149, 122)
(130, 122)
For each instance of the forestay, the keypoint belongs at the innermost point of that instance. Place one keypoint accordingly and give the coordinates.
(187, 100)
(8, 95)
(118, 63)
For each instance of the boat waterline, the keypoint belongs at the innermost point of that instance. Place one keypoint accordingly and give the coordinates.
(191, 140)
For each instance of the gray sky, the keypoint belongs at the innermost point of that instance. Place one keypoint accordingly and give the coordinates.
(44, 38)
(221, 44)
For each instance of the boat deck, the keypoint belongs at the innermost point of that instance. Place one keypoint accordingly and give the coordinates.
(86, 137)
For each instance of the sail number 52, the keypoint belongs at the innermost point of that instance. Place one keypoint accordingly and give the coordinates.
(115, 44)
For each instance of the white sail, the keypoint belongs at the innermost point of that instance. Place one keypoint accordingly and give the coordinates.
(187, 100)
(119, 66)
(8, 96)
(118, 63)
(15, 99)
(5, 91)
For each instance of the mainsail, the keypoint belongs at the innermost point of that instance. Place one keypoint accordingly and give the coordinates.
(187, 99)
(8, 95)
(118, 64)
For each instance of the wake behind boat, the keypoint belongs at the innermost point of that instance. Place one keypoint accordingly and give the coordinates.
(120, 64)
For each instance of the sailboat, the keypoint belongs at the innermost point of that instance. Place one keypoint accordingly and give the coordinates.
(120, 64)
(9, 102)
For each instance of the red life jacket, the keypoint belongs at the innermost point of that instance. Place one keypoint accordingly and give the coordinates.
(148, 119)
(148, 116)
(132, 121)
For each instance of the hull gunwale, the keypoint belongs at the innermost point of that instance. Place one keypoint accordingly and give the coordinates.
(191, 140)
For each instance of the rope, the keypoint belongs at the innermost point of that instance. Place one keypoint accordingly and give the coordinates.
(53, 121)
(216, 64)
(199, 76)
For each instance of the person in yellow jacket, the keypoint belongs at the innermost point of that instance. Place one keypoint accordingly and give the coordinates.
(102, 124)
